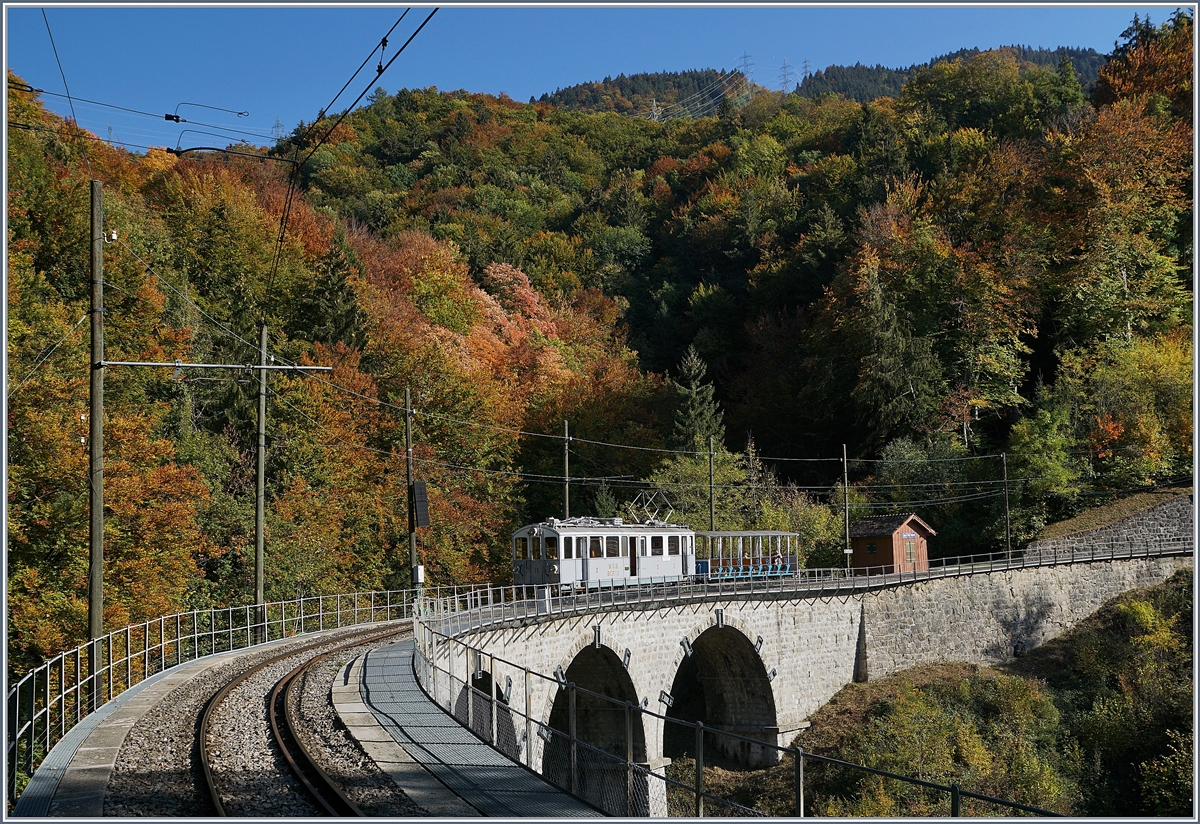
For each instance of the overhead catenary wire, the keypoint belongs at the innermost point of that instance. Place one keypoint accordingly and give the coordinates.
(615, 480)
(527, 433)
(115, 144)
(26, 87)
(67, 88)
(627, 482)
(293, 178)
(50, 351)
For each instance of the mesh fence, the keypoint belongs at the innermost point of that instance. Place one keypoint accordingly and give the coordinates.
(594, 747)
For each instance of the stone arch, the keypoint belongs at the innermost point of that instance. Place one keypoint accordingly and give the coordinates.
(602, 688)
(477, 715)
(725, 684)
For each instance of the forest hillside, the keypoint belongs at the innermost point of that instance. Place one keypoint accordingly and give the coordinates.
(867, 83)
(980, 286)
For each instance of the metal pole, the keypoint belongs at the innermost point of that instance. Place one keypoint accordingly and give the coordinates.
(1007, 524)
(955, 801)
(629, 758)
(699, 769)
(566, 470)
(846, 502)
(799, 782)
(528, 723)
(96, 443)
(712, 506)
(413, 561)
(495, 742)
(574, 753)
(261, 474)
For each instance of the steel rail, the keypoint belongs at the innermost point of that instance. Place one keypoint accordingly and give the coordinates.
(284, 723)
(219, 698)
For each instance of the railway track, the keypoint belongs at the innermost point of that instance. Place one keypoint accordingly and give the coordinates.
(256, 756)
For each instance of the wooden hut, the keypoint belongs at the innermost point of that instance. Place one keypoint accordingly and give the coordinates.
(898, 543)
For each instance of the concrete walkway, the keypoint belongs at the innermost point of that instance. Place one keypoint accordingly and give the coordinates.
(487, 781)
(73, 777)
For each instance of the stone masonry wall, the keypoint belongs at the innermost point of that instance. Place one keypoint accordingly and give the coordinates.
(986, 618)
(1173, 520)
(810, 643)
(817, 645)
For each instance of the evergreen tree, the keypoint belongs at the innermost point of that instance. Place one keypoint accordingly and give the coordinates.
(698, 416)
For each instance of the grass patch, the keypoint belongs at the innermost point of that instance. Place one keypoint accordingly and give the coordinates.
(1110, 513)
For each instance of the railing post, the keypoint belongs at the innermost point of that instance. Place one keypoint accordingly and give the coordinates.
(32, 722)
(528, 722)
(495, 684)
(78, 684)
(629, 758)
(469, 686)
(574, 753)
(799, 782)
(955, 802)
(14, 717)
(699, 769)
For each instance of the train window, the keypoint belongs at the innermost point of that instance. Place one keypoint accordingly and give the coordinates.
(624, 546)
(567, 547)
(672, 544)
(656, 545)
(552, 549)
(611, 546)
(642, 545)
(522, 549)
(595, 549)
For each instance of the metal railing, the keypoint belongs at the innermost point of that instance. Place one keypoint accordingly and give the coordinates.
(613, 780)
(466, 608)
(47, 702)
(50, 700)
(613, 775)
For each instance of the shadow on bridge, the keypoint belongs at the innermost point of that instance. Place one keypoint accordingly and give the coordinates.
(603, 718)
(723, 684)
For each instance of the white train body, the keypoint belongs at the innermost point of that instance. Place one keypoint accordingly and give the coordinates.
(595, 552)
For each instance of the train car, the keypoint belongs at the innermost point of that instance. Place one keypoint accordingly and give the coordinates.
(596, 552)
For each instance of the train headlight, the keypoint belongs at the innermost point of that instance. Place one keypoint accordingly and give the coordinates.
(554, 569)
(516, 569)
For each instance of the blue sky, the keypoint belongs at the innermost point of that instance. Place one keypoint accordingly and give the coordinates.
(283, 64)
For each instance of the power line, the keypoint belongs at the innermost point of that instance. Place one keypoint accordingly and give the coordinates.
(31, 127)
(86, 160)
(527, 433)
(294, 177)
(624, 480)
(25, 87)
(47, 354)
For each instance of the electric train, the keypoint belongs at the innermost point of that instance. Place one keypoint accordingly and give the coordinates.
(594, 552)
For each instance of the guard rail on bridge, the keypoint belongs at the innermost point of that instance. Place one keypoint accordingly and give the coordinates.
(464, 609)
(614, 781)
(50, 700)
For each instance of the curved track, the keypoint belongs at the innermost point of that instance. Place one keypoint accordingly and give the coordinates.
(323, 794)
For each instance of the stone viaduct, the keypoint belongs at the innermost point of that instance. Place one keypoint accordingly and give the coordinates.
(760, 664)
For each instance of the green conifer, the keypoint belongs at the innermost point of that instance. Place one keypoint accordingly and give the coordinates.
(698, 415)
